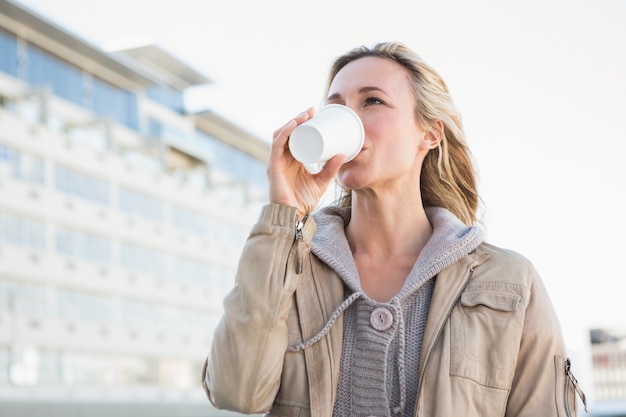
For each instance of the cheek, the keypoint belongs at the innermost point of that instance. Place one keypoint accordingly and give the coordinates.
(391, 135)
(374, 128)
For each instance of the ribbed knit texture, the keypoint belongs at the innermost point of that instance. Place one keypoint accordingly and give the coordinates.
(379, 369)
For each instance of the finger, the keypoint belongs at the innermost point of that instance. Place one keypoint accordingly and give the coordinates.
(305, 115)
(281, 131)
(331, 167)
(300, 118)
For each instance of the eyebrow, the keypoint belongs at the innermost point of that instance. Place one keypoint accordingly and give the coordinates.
(362, 90)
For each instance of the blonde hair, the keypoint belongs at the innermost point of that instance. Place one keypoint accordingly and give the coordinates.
(448, 177)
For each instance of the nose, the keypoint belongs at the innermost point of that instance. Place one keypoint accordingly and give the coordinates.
(360, 115)
(354, 107)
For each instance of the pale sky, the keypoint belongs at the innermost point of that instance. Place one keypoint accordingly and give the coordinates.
(541, 85)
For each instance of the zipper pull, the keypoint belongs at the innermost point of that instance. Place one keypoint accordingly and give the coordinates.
(300, 244)
(570, 375)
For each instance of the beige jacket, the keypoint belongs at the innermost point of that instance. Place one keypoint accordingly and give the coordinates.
(492, 345)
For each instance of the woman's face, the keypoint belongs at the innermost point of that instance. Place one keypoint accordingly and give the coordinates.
(379, 91)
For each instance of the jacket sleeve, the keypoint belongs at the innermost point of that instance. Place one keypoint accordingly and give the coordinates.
(243, 369)
(543, 384)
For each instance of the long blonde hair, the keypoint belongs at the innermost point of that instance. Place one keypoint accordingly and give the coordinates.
(448, 177)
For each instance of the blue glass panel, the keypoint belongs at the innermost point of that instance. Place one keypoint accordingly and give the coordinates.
(240, 165)
(111, 101)
(65, 79)
(140, 204)
(8, 53)
(143, 260)
(23, 232)
(168, 97)
(73, 305)
(22, 166)
(81, 185)
(189, 221)
(84, 246)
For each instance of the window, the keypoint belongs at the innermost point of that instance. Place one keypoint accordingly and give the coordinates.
(140, 204)
(168, 97)
(111, 101)
(83, 246)
(89, 369)
(72, 305)
(196, 322)
(5, 362)
(189, 221)
(161, 265)
(20, 231)
(169, 319)
(50, 367)
(81, 185)
(140, 315)
(229, 235)
(241, 166)
(8, 53)
(157, 129)
(30, 299)
(143, 260)
(191, 272)
(21, 166)
(44, 69)
(71, 83)
(23, 299)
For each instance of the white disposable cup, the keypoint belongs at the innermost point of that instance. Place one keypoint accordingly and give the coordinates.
(334, 130)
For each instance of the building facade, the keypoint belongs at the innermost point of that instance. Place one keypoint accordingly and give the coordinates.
(608, 350)
(122, 217)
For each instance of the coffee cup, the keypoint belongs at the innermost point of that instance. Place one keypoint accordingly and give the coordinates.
(334, 130)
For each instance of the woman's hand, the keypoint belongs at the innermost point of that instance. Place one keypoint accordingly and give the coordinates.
(289, 182)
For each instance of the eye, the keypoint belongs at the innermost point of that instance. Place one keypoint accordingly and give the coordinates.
(373, 100)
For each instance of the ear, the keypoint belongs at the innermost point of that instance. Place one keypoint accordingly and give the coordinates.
(433, 135)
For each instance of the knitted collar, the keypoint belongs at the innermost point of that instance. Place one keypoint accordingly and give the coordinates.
(451, 240)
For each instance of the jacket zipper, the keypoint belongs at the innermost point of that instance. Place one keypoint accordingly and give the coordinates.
(577, 388)
(300, 244)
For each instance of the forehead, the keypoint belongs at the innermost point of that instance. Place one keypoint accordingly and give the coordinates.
(371, 71)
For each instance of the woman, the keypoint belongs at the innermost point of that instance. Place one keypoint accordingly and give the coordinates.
(389, 303)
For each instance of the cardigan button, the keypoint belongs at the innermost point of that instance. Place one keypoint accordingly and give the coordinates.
(381, 319)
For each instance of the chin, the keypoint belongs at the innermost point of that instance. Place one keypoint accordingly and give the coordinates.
(352, 178)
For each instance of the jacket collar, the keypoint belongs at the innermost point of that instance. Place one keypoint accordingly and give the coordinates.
(448, 287)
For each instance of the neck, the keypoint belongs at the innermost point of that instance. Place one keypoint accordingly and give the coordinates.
(387, 225)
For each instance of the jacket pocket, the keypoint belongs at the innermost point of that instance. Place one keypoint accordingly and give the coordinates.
(566, 388)
(486, 329)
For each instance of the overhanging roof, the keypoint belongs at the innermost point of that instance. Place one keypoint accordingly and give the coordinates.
(43, 32)
(178, 73)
